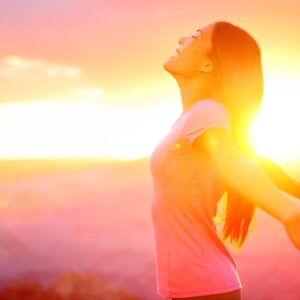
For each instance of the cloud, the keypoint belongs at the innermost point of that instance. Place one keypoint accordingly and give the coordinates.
(17, 66)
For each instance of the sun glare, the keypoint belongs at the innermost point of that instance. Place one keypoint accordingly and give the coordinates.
(83, 127)
(274, 132)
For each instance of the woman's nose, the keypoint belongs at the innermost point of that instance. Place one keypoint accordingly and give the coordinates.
(181, 40)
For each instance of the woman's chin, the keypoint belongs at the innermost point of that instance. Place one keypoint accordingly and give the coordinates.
(168, 65)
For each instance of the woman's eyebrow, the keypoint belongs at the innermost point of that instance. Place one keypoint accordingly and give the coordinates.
(199, 31)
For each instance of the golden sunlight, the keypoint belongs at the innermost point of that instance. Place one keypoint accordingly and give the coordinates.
(274, 132)
(80, 128)
(83, 125)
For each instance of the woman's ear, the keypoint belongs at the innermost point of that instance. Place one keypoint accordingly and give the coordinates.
(206, 67)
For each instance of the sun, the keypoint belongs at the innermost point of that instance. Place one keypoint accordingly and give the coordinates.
(274, 132)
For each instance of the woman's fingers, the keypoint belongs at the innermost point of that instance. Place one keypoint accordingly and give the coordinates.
(292, 227)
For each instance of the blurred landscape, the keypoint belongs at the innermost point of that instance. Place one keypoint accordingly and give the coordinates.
(70, 226)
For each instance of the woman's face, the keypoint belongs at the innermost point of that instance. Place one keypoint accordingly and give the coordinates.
(190, 56)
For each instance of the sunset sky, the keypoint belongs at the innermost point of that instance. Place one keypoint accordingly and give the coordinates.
(84, 78)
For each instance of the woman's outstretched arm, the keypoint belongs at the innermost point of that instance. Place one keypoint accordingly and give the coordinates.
(279, 176)
(243, 175)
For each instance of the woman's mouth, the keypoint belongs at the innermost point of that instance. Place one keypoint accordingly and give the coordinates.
(176, 53)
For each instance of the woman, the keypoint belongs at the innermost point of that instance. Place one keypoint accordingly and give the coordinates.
(219, 73)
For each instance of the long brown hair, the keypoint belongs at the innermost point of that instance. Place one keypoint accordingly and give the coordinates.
(238, 84)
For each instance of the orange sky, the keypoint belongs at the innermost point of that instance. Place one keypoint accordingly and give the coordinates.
(107, 56)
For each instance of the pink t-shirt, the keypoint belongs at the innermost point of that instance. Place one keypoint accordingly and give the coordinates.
(191, 260)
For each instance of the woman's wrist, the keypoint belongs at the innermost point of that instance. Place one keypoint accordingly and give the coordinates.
(293, 213)
(292, 227)
(291, 220)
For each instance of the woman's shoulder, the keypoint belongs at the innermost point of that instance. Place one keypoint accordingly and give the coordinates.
(208, 107)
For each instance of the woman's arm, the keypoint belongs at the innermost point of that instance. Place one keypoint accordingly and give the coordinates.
(292, 224)
(243, 175)
(279, 176)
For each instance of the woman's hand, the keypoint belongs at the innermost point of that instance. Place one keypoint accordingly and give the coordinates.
(292, 223)
(292, 227)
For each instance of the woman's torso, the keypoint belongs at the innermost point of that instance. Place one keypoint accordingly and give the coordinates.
(191, 260)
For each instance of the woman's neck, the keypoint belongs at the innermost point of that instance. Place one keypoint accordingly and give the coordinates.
(193, 90)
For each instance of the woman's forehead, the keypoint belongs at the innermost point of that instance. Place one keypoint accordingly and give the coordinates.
(206, 30)
(205, 35)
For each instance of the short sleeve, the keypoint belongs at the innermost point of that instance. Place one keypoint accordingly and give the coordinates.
(203, 115)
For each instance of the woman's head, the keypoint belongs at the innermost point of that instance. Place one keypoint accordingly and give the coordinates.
(190, 58)
(227, 60)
